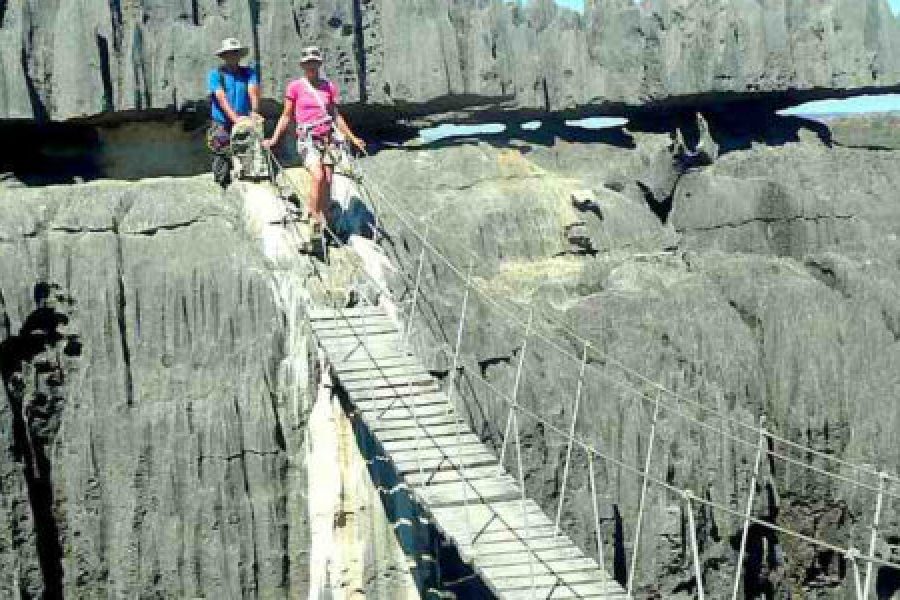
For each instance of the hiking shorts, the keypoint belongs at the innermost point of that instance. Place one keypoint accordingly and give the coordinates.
(313, 152)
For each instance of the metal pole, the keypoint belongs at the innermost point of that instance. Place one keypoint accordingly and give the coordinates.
(513, 421)
(640, 519)
(451, 384)
(695, 552)
(375, 226)
(415, 296)
(459, 331)
(748, 511)
(593, 484)
(509, 418)
(873, 540)
(565, 479)
(523, 500)
(415, 416)
(853, 556)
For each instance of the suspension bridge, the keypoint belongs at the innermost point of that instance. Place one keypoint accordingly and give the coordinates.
(515, 548)
(478, 498)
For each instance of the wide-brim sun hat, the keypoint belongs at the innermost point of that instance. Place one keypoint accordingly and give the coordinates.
(311, 54)
(232, 45)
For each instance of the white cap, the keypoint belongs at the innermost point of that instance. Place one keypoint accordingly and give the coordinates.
(311, 54)
(232, 45)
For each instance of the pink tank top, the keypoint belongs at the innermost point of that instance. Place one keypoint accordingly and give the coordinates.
(308, 109)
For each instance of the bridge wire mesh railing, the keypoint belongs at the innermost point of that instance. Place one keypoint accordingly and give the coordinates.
(452, 354)
(661, 399)
(362, 335)
(763, 443)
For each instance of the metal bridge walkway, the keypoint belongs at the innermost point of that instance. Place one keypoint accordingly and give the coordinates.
(456, 480)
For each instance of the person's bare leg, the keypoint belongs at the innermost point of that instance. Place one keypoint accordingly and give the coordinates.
(325, 195)
(317, 174)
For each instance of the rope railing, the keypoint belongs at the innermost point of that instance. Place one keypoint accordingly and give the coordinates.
(591, 449)
(763, 445)
(763, 435)
(850, 553)
(375, 192)
(411, 406)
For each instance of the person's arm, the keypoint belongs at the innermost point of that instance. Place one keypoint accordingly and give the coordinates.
(344, 128)
(282, 125)
(339, 120)
(255, 92)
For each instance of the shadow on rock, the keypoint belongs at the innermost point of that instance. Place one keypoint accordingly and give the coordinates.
(35, 365)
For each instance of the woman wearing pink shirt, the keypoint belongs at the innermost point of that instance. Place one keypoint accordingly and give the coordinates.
(312, 102)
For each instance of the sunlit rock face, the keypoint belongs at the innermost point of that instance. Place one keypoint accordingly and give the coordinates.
(770, 288)
(164, 429)
(399, 58)
(146, 440)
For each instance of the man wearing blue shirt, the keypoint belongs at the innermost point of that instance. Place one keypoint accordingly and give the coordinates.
(234, 95)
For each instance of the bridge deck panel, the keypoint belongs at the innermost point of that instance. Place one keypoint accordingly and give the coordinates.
(456, 479)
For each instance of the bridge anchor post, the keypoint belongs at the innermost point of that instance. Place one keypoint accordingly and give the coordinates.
(751, 497)
(695, 551)
(873, 538)
(641, 505)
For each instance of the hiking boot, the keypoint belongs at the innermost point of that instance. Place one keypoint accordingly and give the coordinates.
(312, 234)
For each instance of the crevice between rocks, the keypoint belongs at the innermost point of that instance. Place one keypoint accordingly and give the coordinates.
(360, 48)
(121, 309)
(247, 492)
(149, 232)
(769, 221)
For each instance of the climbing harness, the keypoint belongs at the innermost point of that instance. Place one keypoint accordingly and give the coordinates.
(329, 146)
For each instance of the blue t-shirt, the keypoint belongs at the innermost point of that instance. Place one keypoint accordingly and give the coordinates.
(236, 86)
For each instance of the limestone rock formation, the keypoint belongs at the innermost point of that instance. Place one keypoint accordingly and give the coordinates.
(780, 299)
(160, 434)
(145, 439)
(402, 58)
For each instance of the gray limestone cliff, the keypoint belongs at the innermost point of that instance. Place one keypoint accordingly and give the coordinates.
(769, 289)
(164, 429)
(402, 58)
(157, 414)
(146, 442)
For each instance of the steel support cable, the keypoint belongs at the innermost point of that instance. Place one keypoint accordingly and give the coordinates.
(586, 447)
(363, 338)
(660, 483)
(615, 362)
(750, 445)
(675, 409)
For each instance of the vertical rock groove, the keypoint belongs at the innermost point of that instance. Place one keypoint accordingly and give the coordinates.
(360, 48)
(121, 316)
(33, 366)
